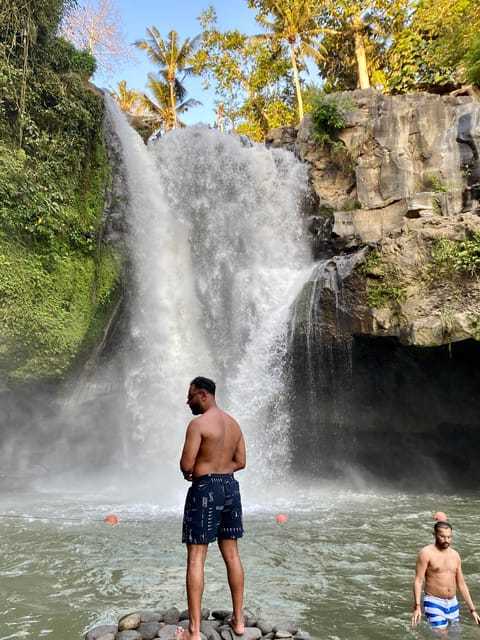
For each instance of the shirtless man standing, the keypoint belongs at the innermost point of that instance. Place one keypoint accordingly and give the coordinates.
(441, 568)
(214, 449)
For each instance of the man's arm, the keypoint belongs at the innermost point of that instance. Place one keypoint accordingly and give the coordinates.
(240, 455)
(420, 570)
(462, 587)
(193, 439)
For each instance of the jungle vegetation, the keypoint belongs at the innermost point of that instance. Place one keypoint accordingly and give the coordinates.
(57, 277)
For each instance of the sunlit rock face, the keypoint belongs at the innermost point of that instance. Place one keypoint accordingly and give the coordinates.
(407, 177)
(411, 156)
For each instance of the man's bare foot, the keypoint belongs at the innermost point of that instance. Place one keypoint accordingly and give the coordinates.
(185, 634)
(179, 634)
(237, 627)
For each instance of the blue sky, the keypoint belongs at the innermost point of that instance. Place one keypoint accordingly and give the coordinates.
(180, 15)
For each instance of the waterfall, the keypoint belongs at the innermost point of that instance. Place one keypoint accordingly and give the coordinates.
(218, 256)
(321, 368)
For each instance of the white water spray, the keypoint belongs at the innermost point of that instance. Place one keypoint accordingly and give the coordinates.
(219, 256)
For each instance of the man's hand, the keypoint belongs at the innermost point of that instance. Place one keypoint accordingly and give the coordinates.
(417, 616)
(475, 615)
(188, 475)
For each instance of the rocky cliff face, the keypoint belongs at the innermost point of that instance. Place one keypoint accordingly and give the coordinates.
(404, 187)
(386, 338)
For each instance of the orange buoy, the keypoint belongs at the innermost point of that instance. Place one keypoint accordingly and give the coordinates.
(440, 516)
(111, 519)
(281, 518)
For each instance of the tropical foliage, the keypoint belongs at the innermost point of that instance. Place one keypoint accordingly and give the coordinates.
(356, 37)
(157, 111)
(129, 100)
(432, 49)
(53, 171)
(449, 256)
(292, 22)
(260, 80)
(472, 62)
(395, 45)
(252, 81)
(173, 61)
(329, 115)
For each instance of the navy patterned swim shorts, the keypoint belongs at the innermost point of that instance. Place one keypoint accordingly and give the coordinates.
(213, 509)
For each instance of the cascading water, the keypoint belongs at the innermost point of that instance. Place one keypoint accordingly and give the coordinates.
(323, 384)
(218, 257)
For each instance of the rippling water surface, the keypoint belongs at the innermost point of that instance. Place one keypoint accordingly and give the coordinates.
(342, 566)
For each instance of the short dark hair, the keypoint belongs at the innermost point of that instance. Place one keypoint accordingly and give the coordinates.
(442, 524)
(205, 384)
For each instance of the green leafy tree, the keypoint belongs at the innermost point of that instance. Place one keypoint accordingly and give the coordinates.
(357, 34)
(252, 81)
(432, 49)
(472, 62)
(292, 22)
(173, 60)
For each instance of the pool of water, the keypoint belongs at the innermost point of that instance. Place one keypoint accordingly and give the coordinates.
(342, 565)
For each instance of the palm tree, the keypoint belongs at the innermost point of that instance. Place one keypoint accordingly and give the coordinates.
(128, 100)
(158, 113)
(294, 22)
(172, 59)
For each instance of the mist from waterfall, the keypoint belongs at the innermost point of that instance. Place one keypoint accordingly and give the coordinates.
(218, 256)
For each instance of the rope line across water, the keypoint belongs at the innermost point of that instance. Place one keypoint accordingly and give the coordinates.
(63, 519)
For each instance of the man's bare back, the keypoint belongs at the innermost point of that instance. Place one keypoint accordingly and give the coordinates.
(213, 444)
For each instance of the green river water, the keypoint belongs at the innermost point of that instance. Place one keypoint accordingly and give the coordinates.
(342, 566)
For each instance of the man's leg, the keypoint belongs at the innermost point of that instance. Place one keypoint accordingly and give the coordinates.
(196, 554)
(231, 557)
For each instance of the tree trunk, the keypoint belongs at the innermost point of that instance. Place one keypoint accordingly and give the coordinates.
(173, 104)
(297, 81)
(361, 58)
(27, 30)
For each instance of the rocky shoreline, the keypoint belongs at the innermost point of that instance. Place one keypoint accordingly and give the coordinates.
(148, 625)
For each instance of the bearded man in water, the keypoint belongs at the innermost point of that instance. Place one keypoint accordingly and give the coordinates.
(214, 449)
(440, 567)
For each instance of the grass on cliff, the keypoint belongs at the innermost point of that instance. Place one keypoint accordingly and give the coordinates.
(451, 258)
(384, 288)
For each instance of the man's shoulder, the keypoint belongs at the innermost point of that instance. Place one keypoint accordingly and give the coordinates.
(427, 550)
(209, 418)
(230, 419)
(454, 553)
(196, 423)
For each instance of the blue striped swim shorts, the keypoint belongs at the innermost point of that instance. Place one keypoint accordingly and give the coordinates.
(213, 509)
(441, 611)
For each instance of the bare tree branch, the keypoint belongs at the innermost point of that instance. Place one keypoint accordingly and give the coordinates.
(95, 26)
